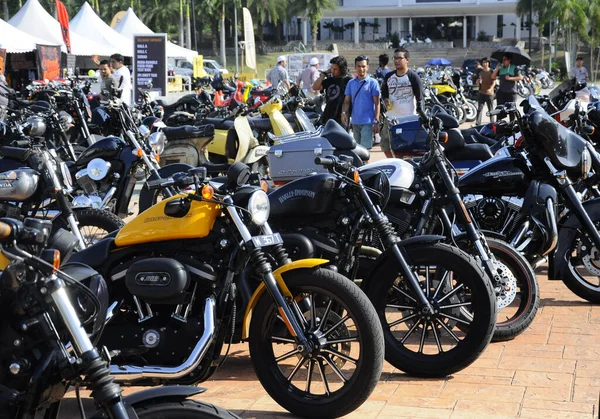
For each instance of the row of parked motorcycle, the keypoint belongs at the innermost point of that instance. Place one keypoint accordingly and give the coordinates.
(323, 264)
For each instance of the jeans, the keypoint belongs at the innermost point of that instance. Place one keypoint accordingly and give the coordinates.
(363, 134)
(484, 100)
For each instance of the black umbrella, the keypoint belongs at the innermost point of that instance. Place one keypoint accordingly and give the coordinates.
(519, 57)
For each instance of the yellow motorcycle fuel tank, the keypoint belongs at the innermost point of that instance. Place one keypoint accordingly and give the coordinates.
(154, 226)
(444, 88)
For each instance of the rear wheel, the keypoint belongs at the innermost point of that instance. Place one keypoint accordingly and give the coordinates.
(431, 344)
(345, 363)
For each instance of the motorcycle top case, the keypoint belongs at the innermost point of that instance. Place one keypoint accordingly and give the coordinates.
(407, 136)
(294, 159)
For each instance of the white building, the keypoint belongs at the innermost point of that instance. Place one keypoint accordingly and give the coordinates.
(373, 20)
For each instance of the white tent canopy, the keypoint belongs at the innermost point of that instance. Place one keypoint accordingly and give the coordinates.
(36, 21)
(89, 25)
(131, 25)
(14, 40)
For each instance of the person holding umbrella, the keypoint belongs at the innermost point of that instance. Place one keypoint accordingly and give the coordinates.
(508, 75)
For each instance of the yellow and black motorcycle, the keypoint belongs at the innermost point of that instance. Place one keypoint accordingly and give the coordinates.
(189, 271)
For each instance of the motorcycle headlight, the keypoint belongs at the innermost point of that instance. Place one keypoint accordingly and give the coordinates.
(157, 141)
(66, 175)
(144, 130)
(259, 207)
(65, 119)
(586, 163)
(97, 169)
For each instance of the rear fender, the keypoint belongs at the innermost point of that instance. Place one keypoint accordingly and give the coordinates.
(388, 261)
(260, 290)
(567, 233)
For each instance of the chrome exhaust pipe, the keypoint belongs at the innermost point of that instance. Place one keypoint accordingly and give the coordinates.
(553, 226)
(108, 197)
(127, 373)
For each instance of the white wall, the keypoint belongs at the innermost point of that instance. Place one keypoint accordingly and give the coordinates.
(488, 24)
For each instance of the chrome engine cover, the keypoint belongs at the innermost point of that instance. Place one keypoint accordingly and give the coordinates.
(18, 184)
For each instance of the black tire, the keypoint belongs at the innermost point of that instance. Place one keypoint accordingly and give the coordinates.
(516, 317)
(187, 409)
(573, 278)
(330, 287)
(482, 306)
(95, 224)
(470, 110)
(453, 110)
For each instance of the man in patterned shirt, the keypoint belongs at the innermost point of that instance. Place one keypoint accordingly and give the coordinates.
(279, 73)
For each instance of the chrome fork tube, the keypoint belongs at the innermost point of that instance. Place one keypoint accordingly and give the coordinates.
(75, 229)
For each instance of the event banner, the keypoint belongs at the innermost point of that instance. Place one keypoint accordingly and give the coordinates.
(249, 44)
(2, 61)
(48, 62)
(63, 19)
(150, 63)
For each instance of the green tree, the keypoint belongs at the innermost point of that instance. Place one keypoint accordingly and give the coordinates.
(313, 9)
(266, 11)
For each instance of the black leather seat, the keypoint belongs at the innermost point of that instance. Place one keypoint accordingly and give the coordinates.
(337, 136)
(189, 131)
(219, 123)
(363, 153)
(480, 152)
(95, 255)
(473, 137)
(20, 154)
(260, 124)
(448, 121)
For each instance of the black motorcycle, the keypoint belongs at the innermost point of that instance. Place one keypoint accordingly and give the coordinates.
(519, 197)
(51, 322)
(436, 305)
(425, 200)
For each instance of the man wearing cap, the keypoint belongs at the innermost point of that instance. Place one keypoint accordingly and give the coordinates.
(309, 76)
(279, 73)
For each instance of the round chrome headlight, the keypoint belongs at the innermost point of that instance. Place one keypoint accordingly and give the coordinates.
(65, 118)
(586, 163)
(259, 207)
(157, 141)
(144, 130)
(97, 169)
(66, 175)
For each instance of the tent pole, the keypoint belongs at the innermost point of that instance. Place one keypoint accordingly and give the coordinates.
(237, 69)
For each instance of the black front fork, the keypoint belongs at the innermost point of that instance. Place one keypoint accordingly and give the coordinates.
(478, 240)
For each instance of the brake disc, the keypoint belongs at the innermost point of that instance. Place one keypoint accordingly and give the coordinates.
(508, 284)
(589, 256)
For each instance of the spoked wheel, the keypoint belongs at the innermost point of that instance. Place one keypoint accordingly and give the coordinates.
(582, 275)
(516, 287)
(430, 344)
(95, 224)
(340, 370)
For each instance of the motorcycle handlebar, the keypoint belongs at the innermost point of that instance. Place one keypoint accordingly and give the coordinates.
(327, 162)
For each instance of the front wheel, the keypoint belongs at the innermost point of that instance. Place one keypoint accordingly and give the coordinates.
(470, 110)
(185, 409)
(582, 274)
(518, 289)
(443, 342)
(95, 224)
(346, 359)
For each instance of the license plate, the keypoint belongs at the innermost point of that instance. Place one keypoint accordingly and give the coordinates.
(267, 240)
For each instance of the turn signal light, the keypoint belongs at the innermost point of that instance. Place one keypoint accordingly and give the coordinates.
(139, 152)
(56, 260)
(208, 192)
(356, 176)
(443, 137)
(264, 185)
(157, 158)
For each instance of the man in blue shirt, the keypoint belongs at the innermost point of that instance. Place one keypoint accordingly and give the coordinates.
(362, 92)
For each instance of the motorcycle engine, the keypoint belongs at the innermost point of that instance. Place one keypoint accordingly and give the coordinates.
(162, 318)
(492, 213)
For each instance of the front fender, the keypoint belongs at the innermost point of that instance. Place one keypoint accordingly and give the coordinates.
(157, 395)
(567, 233)
(297, 264)
(387, 258)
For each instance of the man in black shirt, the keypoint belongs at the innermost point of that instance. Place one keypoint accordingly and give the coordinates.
(402, 93)
(334, 87)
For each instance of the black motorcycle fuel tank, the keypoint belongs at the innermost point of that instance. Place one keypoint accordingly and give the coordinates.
(310, 195)
(107, 148)
(497, 176)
